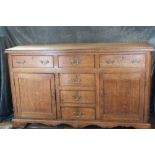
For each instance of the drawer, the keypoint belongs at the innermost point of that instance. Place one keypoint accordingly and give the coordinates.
(77, 80)
(32, 61)
(122, 60)
(78, 113)
(69, 96)
(76, 61)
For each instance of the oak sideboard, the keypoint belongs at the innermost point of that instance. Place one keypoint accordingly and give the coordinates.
(101, 84)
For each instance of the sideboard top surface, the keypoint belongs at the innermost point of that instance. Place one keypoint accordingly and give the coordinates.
(83, 46)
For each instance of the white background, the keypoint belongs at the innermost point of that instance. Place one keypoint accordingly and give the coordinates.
(77, 13)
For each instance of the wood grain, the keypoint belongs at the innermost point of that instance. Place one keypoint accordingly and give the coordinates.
(86, 80)
(35, 95)
(122, 60)
(103, 84)
(32, 61)
(76, 61)
(69, 96)
(121, 96)
(83, 46)
(78, 113)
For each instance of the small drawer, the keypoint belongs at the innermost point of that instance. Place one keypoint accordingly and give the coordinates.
(69, 96)
(78, 113)
(32, 61)
(122, 61)
(76, 61)
(77, 80)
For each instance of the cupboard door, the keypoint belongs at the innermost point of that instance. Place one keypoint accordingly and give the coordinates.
(35, 95)
(122, 96)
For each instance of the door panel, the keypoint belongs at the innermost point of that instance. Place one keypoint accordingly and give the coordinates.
(35, 95)
(122, 96)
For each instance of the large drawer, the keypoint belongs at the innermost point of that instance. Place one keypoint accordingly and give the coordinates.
(76, 61)
(32, 61)
(70, 96)
(77, 80)
(78, 113)
(122, 60)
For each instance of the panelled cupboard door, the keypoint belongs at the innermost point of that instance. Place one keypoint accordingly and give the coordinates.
(122, 96)
(35, 95)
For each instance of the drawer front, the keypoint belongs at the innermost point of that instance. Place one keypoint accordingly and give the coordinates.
(78, 113)
(76, 61)
(77, 80)
(70, 96)
(32, 61)
(122, 61)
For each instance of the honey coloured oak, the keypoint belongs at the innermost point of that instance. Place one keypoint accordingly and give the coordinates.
(77, 96)
(87, 80)
(35, 95)
(103, 84)
(78, 113)
(76, 61)
(32, 61)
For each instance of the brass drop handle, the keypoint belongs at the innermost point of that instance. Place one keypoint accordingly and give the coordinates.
(21, 62)
(75, 61)
(110, 61)
(135, 61)
(44, 62)
(77, 97)
(77, 79)
(53, 94)
(102, 93)
(77, 113)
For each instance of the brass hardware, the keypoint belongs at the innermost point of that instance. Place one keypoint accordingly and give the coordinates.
(21, 62)
(77, 79)
(75, 61)
(135, 61)
(77, 113)
(53, 93)
(102, 93)
(123, 57)
(44, 62)
(110, 61)
(77, 96)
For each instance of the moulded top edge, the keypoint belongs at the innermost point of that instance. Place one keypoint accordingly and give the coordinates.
(84, 46)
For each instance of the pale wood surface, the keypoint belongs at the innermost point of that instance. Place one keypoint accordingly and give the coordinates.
(83, 46)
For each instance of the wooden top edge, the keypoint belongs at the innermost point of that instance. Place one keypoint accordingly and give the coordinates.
(83, 46)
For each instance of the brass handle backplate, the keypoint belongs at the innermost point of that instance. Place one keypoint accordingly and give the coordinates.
(77, 96)
(20, 62)
(135, 61)
(77, 113)
(53, 93)
(44, 62)
(110, 61)
(75, 61)
(77, 79)
(102, 93)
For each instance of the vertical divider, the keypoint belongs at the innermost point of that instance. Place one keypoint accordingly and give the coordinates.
(58, 110)
(147, 88)
(97, 86)
(13, 89)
